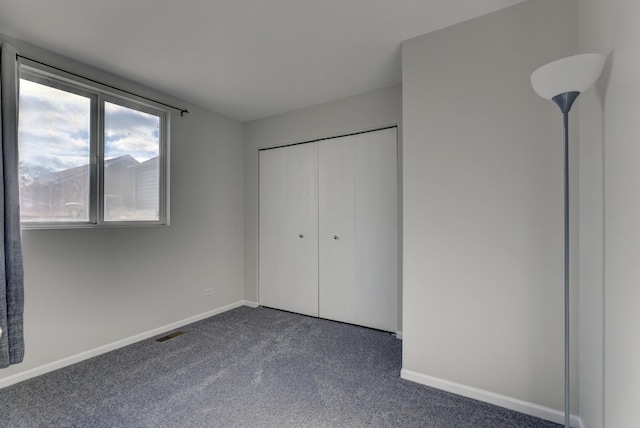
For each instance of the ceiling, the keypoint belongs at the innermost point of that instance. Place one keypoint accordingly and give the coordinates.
(246, 59)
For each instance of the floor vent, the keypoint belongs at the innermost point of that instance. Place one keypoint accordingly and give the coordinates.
(169, 336)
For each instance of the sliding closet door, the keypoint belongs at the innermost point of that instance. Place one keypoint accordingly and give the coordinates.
(288, 267)
(337, 292)
(376, 229)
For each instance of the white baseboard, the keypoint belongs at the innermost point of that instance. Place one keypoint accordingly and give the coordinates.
(250, 303)
(510, 403)
(399, 335)
(49, 367)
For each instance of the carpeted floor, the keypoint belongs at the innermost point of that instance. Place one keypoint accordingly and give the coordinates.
(248, 368)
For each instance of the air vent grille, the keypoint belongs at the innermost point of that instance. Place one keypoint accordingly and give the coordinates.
(169, 336)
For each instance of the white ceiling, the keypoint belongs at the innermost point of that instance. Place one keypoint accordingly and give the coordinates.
(246, 59)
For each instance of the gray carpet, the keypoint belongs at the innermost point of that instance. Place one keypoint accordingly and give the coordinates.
(248, 368)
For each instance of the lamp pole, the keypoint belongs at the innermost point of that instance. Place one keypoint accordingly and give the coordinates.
(565, 101)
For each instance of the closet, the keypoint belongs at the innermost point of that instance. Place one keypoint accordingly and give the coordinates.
(328, 233)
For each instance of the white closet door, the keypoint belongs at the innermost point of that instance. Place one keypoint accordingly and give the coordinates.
(329, 229)
(289, 229)
(337, 292)
(376, 229)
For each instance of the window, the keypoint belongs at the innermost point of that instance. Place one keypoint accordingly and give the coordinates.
(87, 157)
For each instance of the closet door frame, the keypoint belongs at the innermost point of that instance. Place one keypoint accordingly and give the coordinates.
(360, 315)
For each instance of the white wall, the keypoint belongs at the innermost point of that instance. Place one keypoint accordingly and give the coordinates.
(591, 365)
(360, 112)
(483, 211)
(610, 182)
(89, 288)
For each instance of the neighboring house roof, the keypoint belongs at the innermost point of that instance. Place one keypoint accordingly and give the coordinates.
(124, 161)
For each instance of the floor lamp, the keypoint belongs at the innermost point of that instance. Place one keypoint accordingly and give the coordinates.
(562, 81)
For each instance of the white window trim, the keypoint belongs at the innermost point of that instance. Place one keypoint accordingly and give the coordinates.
(98, 95)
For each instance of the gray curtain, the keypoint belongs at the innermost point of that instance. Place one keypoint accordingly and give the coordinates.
(11, 268)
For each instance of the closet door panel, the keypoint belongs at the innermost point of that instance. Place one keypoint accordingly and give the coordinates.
(376, 233)
(288, 261)
(272, 226)
(302, 229)
(337, 229)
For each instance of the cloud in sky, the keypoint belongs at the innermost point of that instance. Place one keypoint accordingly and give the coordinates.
(54, 129)
(132, 132)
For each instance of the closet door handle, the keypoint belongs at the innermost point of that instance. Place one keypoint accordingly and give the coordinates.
(336, 237)
(301, 236)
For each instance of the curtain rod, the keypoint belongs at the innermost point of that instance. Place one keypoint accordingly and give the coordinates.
(181, 110)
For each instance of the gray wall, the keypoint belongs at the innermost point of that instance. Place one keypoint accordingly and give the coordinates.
(89, 288)
(483, 241)
(360, 112)
(610, 211)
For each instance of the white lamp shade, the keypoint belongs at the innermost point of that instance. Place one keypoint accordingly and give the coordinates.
(571, 74)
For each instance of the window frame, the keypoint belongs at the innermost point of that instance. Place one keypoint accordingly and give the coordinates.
(99, 96)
